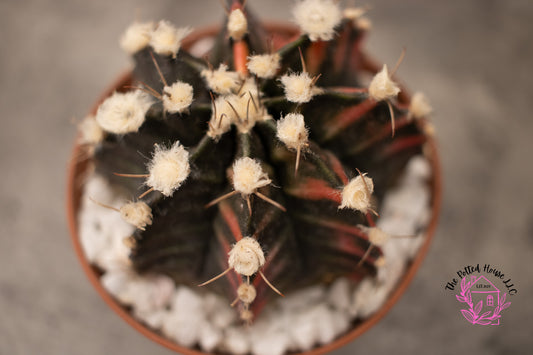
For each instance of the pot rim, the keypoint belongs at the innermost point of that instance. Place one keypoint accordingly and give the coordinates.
(77, 168)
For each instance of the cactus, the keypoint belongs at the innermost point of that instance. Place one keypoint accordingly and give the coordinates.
(260, 168)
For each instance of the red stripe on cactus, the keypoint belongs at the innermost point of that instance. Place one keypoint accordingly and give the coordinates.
(347, 89)
(356, 54)
(337, 167)
(314, 189)
(347, 117)
(342, 227)
(231, 219)
(370, 220)
(345, 243)
(342, 49)
(385, 133)
(271, 269)
(402, 144)
(314, 57)
(240, 55)
(222, 259)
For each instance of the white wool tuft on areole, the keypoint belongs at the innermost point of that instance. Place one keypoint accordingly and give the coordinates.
(317, 18)
(123, 113)
(237, 24)
(357, 193)
(246, 293)
(291, 130)
(221, 122)
(242, 109)
(166, 39)
(382, 87)
(168, 168)
(222, 81)
(177, 97)
(138, 214)
(377, 236)
(420, 106)
(90, 131)
(248, 176)
(246, 257)
(299, 88)
(264, 65)
(136, 37)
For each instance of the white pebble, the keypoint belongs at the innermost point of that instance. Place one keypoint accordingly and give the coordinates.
(184, 328)
(303, 331)
(324, 324)
(270, 343)
(368, 297)
(341, 322)
(186, 301)
(303, 299)
(236, 341)
(224, 316)
(210, 336)
(153, 319)
(339, 294)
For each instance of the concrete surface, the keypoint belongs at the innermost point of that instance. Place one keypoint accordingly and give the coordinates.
(474, 60)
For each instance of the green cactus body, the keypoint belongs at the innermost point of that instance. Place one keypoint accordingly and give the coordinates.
(306, 238)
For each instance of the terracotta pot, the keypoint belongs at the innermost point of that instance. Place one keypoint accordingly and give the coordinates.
(78, 168)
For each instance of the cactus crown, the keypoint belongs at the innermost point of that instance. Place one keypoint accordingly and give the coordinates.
(262, 165)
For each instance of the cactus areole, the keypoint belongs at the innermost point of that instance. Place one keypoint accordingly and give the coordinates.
(262, 162)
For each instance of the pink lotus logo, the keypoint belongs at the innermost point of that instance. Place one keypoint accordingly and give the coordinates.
(484, 300)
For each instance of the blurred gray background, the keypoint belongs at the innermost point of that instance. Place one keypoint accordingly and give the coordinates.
(474, 60)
